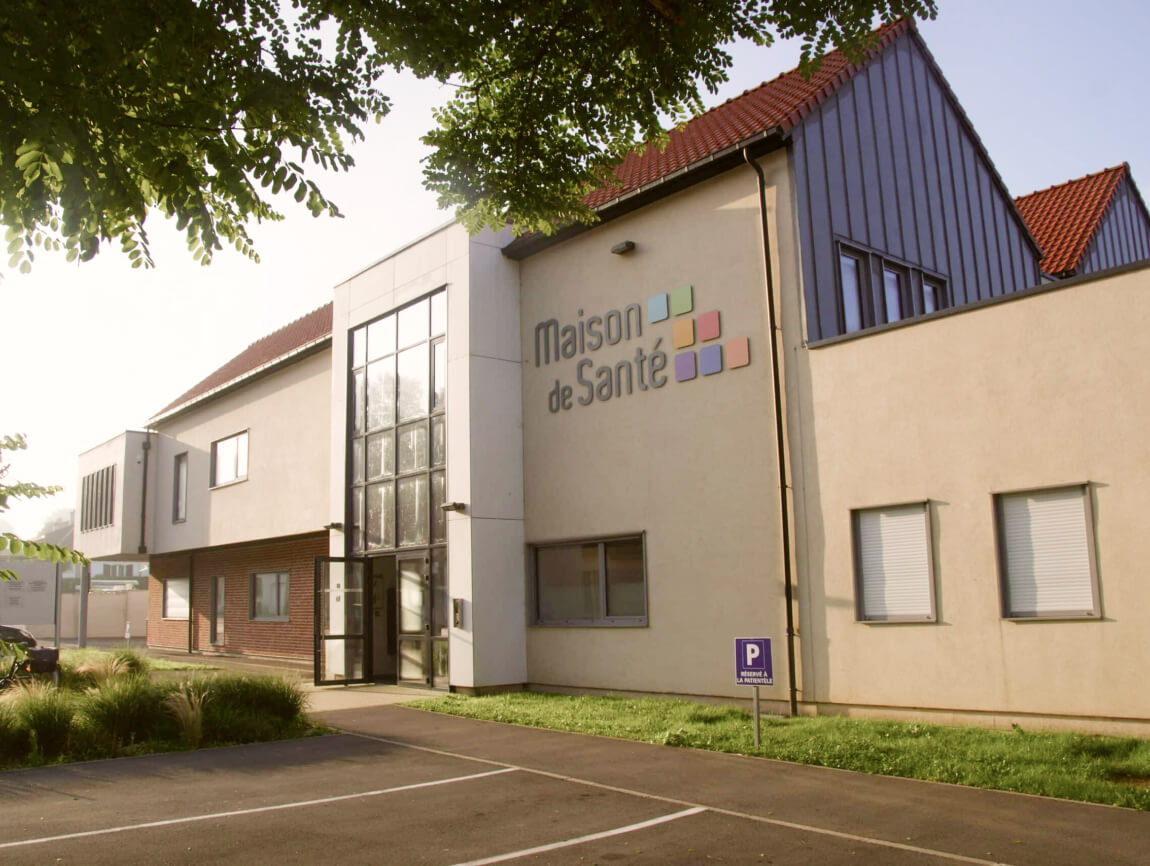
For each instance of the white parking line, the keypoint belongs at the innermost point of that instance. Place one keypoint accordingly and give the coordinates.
(254, 811)
(790, 825)
(567, 843)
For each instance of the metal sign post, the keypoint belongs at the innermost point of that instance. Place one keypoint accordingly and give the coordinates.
(753, 667)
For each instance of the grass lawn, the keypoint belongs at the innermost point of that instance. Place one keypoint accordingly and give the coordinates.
(76, 657)
(1110, 770)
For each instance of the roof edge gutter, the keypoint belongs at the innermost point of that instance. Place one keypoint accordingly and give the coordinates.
(294, 355)
(664, 185)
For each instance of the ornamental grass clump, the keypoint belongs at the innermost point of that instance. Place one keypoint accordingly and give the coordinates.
(127, 709)
(245, 709)
(132, 661)
(186, 706)
(46, 713)
(14, 739)
(96, 670)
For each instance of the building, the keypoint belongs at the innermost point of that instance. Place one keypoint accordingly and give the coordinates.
(225, 494)
(582, 462)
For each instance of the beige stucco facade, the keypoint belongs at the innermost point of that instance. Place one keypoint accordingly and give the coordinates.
(285, 414)
(1047, 389)
(690, 464)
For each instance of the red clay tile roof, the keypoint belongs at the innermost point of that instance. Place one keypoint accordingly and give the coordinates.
(780, 103)
(292, 336)
(1064, 218)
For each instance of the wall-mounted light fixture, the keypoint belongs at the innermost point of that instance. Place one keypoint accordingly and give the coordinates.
(453, 506)
(623, 247)
(337, 526)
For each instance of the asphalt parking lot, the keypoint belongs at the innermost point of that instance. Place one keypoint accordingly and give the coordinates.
(405, 787)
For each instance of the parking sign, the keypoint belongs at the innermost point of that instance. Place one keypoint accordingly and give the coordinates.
(753, 662)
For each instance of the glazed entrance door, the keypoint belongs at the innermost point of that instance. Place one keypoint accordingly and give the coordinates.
(414, 619)
(423, 618)
(340, 624)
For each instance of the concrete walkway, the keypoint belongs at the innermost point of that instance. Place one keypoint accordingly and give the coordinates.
(321, 699)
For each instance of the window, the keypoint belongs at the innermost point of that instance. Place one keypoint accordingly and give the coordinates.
(1046, 553)
(590, 582)
(230, 459)
(397, 433)
(180, 489)
(177, 596)
(98, 499)
(269, 596)
(875, 289)
(894, 579)
(933, 295)
(851, 292)
(892, 286)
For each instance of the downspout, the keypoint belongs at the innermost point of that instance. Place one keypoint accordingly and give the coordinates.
(147, 446)
(191, 609)
(784, 508)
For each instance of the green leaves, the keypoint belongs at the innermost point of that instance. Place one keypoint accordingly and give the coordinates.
(13, 544)
(117, 111)
(194, 109)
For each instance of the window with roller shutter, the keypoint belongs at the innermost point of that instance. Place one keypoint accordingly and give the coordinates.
(1046, 554)
(894, 574)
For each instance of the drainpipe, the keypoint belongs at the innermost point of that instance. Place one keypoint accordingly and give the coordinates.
(191, 609)
(147, 446)
(784, 508)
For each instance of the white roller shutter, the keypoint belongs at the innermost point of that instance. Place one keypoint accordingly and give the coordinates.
(177, 595)
(894, 563)
(1046, 552)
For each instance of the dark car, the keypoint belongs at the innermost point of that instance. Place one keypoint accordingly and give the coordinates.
(15, 634)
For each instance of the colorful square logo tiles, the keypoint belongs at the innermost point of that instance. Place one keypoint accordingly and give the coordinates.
(686, 332)
(657, 309)
(682, 300)
(684, 366)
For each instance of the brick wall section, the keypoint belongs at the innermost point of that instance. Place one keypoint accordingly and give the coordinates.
(237, 563)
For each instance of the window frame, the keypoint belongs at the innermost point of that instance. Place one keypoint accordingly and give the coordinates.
(164, 605)
(361, 486)
(253, 582)
(872, 287)
(602, 620)
(861, 615)
(214, 451)
(98, 499)
(180, 490)
(1005, 610)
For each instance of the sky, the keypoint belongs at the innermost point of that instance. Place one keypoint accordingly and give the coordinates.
(1055, 90)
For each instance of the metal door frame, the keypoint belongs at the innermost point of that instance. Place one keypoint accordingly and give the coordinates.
(365, 636)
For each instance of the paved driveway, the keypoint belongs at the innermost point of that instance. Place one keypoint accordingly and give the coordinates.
(405, 787)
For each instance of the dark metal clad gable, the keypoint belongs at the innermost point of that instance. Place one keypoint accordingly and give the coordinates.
(1123, 233)
(890, 162)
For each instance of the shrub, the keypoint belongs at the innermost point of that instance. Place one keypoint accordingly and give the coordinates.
(46, 713)
(128, 708)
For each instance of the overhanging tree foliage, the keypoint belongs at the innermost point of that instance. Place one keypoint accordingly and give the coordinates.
(10, 542)
(193, 108)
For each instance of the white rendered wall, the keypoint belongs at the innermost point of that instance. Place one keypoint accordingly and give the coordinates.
(484, 433)
(122, 539)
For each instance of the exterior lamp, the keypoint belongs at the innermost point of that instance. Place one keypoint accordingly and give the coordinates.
(623, 247)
